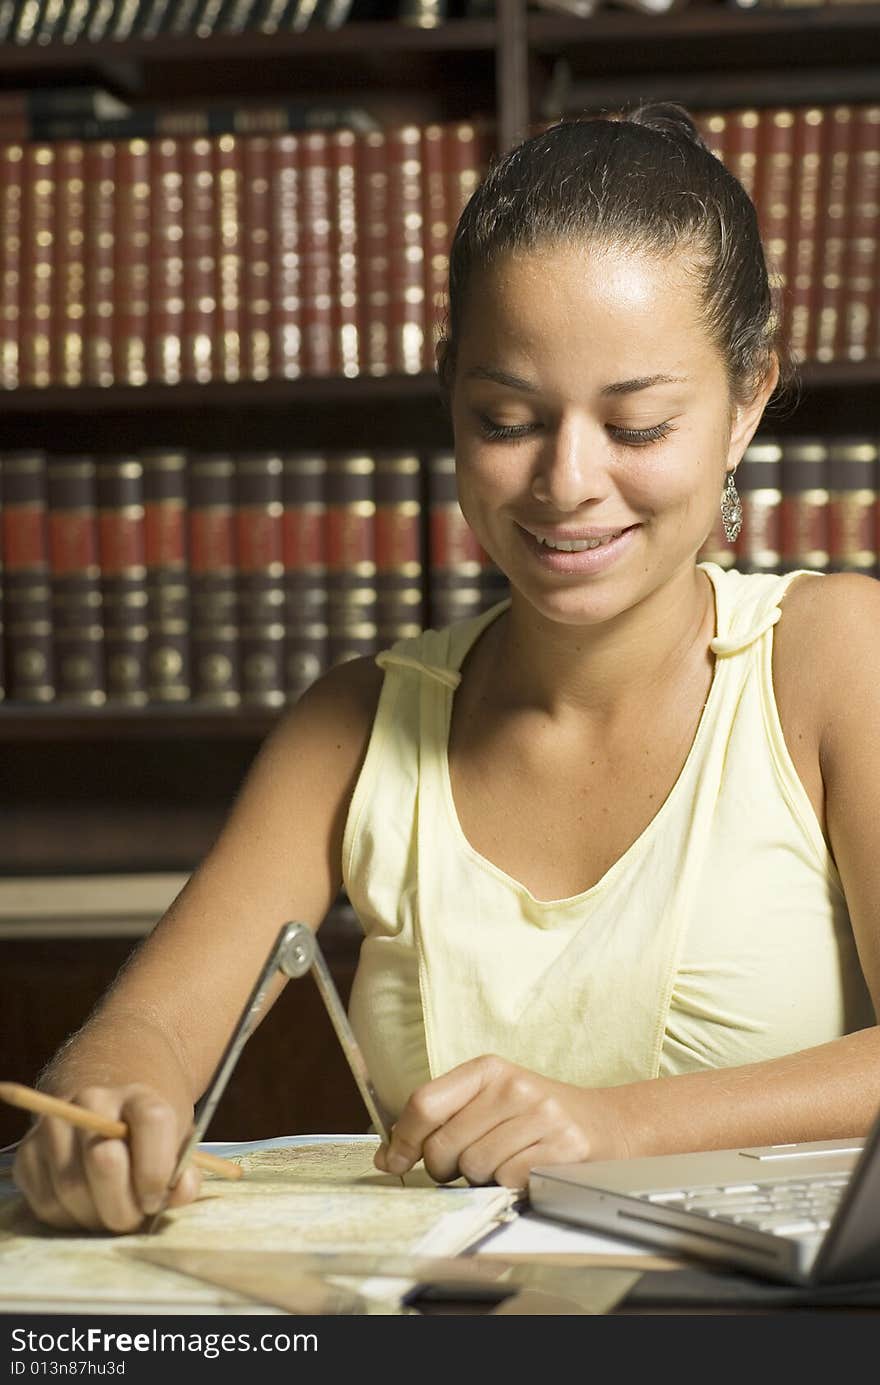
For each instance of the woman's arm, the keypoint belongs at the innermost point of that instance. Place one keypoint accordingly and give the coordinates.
(150, 1047)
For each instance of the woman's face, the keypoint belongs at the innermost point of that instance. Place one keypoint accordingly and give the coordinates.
(590, 409)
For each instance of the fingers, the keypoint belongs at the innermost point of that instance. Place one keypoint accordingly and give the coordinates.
(428, 1111)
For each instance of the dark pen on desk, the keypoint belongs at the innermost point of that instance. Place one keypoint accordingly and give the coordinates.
(294, 953)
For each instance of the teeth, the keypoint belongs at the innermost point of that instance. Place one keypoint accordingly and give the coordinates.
(578, 545)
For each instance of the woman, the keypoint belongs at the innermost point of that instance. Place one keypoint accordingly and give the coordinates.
(612, 844)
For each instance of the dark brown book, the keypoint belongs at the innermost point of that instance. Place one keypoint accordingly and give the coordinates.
(809, 141)
(803, 527)
(773, 190)
(305, 569)
(852, 504)
(373, 260)
(399, 562)
(759, 482)
(286, 289)
(132, 255)
(455, 558)
(100, 299)
(743, 131)
(229, 256)
(406, 253)
(213, 566)
(122, 556)
(11, 182)
(167, 581)
(346, 350)
(27, 594)
(199, 261)
(468, 144)
(862, 251)
(351, 555)
(36, 327)
(77, 615)
(317, 270)
(713, 127)
(437, 224)
(257, 255)
(67, 345)
(165, 325)
(825, 343)
(259, 542)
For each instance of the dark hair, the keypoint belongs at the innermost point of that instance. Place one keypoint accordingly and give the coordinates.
(642, 179)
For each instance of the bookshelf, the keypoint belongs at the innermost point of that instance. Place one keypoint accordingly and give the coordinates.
(144, 789)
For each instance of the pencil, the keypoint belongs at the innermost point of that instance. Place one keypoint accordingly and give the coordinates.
(15, 1094)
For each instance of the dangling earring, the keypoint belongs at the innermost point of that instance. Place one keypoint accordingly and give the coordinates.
(731, 509)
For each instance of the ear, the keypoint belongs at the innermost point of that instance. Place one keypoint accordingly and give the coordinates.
(747, 416)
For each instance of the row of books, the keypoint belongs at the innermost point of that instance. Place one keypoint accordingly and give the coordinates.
(223, 579)
(229, 257)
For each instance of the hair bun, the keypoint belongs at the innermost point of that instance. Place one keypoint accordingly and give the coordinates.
(667, 118)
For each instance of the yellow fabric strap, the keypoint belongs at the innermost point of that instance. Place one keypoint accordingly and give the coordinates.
(737, 643)
(447, 676)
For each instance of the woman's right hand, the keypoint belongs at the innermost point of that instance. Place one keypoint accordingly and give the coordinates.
(74, 1179)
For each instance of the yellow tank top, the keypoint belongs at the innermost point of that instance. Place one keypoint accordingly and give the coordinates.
(721, 936)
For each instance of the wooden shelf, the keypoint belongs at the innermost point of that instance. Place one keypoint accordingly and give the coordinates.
(60, 722)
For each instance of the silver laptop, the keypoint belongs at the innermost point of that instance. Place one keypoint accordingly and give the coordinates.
(802, 1213)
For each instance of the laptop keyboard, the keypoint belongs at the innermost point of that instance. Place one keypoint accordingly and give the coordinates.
(782, 1208)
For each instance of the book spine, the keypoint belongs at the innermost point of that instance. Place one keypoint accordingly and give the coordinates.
(713, 127)
(346, 349)
(121, 550)
(165, 324)
(316, 256)
(803, 529)
(286, 280)
(167, 575)
(351, 556)
(759, 482)
(743, 132)
(406, 267)
(852, 505)
(773, 201)
(466, 153)
(373, 265)
(398, 546)
(305, 570)
(11, 169)
(67, 346)
(259, 516)
(77, 616)
(100, 300)
(132, 252)
(216, 677)
(862, 256)
(229, 266)
(27, 594)
(75, 21)
(199, 256)
(825, 337)
(437, 233)
(257, 259)
(454, 555)
(3, 677)
(37, 265)
(804, 226)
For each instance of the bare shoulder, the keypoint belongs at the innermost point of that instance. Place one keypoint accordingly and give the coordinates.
(339, 706)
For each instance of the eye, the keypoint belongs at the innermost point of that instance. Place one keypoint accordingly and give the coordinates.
(503, 432)
(640, 437)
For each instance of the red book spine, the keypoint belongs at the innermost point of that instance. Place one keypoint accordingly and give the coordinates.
(199, 255)
(373, 266)
(804, 226)
(742, 147)
(216, 677)
(165, 328)
(803, 528)
(773, 198)
(406, 267)
(121, 549)
(399, 564)
(11, 170)
(67, 363)
(131, 262)
(825, 336)
(713, 127)
(229, 261)
(316, 255)
(305, 570)
(167, 580)
(351, 556)
(346, 354)
(27, 596)
(467, 146)
(437, 232)
(455, 558)
(862, 256)
(77, 615)
(852, 505)
(100, 304)
(259, 529)
(286, 281)
(257, 259)
(759, 482)
(39, 195)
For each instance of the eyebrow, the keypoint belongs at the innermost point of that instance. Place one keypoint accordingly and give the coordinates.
(514, 382)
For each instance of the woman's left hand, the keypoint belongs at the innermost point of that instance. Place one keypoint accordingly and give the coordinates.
(488, 1121)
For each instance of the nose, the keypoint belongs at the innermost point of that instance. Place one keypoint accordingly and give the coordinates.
(571, 469)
